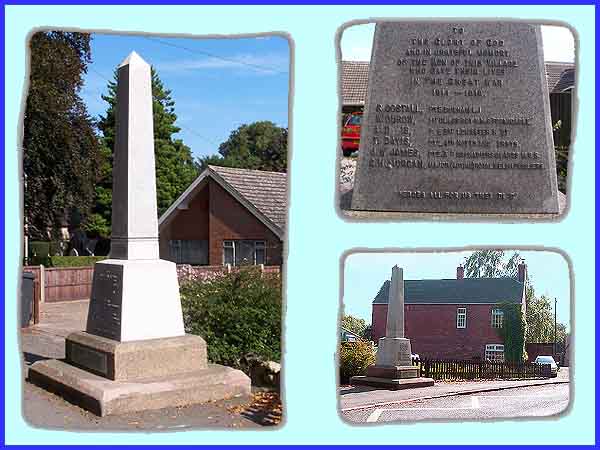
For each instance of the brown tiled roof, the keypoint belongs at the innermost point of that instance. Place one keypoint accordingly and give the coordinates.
(266, 191)
(355, 79)
(560, 76)
(555, 74)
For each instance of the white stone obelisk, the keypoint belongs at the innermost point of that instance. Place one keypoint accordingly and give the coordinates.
(135, 295)
(394, 349)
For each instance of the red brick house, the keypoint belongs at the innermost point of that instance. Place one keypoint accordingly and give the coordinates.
(453, 319)
(227, 216)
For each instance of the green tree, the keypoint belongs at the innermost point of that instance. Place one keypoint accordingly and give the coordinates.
(491, 264)
(355, 324)
(175, 167)
(260, 146)
(540, 321)
(60, 147)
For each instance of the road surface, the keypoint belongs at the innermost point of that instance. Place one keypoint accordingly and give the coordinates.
(530, 401)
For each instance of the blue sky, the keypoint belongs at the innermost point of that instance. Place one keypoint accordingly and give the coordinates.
(558, 43)
(245, 80)
(364, 273)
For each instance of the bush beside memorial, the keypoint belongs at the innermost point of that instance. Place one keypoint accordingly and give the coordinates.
(237, 314)
(355, 357)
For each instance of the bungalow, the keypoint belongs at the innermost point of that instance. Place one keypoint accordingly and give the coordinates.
(454, 318)
(227, 216)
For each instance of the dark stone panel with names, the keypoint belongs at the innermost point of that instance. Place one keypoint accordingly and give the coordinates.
(88, 358)
(457, 120)
(104, 315)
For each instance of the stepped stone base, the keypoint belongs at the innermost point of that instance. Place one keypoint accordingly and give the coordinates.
(393, 371)
(111, 377)
(391, 383)
(104, 397)
(135, 359)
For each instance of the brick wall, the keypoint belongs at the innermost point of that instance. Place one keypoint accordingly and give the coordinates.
(229, 220)
(433, 334)
(215, 215)
(535, 349)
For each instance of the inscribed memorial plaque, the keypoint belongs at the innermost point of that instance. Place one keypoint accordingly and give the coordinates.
(89, 358)
(104, 315)
(457, 119)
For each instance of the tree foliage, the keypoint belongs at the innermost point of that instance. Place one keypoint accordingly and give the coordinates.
(540, 320)
(175, 167)
(237, 314)
(356, 325)
(260, 146)
(60, 148)
(514, 328)
(492, 264)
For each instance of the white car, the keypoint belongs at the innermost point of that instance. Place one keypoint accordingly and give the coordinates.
(543, 359)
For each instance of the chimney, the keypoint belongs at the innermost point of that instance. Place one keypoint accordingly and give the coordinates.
(522, 271)
(460, 272)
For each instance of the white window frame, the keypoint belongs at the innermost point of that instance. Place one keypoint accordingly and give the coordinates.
(461, 317)
(232, 243)
(494, 352)
(497, 318)
(263, 246)
(226, 245)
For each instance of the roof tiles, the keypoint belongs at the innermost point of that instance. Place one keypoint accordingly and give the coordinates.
(467, 290)
(267, 191)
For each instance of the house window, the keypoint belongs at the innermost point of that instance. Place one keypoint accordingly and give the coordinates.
(228, 253)
(497, 318)
(494, 352)
(188, 251)
(244, 252)
(461, 317)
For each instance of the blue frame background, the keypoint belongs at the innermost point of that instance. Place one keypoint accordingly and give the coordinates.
(314, 227)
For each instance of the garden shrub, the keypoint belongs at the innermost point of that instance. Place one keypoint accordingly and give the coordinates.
(237, 314)
(74, 261)
(355, 357)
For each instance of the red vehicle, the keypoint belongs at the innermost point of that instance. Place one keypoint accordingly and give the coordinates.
(351, 133)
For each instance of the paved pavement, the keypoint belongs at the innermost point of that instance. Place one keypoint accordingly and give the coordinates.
(46, 410)
(530, 401)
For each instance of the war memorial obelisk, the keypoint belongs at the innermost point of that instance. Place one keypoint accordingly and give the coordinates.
(393, 368)
(134, 354)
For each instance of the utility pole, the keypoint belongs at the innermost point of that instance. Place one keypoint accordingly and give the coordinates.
(554, 326)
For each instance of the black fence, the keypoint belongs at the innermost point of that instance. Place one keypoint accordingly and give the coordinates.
(471, 370)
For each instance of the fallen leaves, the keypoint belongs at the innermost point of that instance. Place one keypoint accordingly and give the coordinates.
(264, 408)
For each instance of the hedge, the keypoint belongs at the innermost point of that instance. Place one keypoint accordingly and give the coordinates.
(74, 261)
(237, 314)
